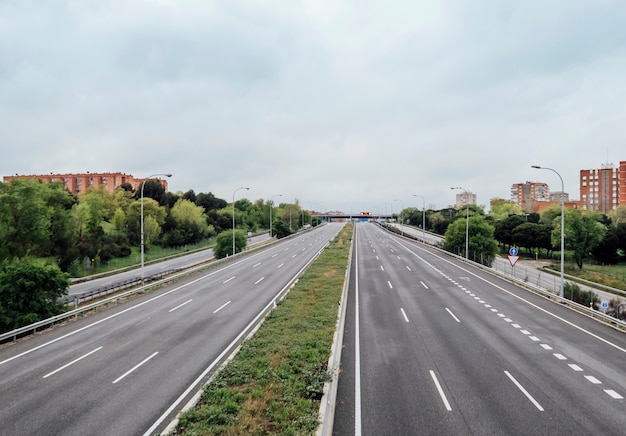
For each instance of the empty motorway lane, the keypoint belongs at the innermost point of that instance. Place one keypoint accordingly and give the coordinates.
(127, 370)
(434, 346)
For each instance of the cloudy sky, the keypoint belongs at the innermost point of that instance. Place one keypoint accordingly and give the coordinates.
(344, 105)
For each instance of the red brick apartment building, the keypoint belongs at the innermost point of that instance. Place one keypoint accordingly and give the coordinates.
(622, 183)
(79, 183)
(603, 189)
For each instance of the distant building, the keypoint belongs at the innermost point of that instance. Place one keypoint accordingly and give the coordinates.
(622, 183)
(79, 183)
(465, 198)
(527, 194)
(600, 188)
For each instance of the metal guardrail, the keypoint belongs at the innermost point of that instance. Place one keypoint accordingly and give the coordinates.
(76, 299)
(536, 288)
(50, 322)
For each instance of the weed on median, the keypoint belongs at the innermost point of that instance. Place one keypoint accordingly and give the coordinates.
(275, 383)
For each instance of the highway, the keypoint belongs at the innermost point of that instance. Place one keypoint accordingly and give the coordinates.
(433, 346)
(151, 268)
(129, 369)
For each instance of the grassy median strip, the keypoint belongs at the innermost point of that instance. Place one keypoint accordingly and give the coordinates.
(275, 383)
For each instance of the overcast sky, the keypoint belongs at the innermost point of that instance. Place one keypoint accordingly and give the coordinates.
(344, 105)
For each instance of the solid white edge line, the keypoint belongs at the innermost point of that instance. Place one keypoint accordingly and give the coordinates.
(130, 371)
(71, 363)
(222, 306)
(547, 312)
(136, 306)
(442, 394)
(406, 318)
(357, 346)
(180, 305)
(452, 315)
(224, 352)
(524, 391)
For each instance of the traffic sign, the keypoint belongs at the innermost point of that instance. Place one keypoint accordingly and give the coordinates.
(512, 259)
(513, 251)
(604, 304)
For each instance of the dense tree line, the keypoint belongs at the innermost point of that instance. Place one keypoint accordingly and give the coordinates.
(588, 234)
(43, 220)
(46, 233)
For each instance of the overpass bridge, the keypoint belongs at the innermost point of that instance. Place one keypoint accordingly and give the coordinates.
(332, 216)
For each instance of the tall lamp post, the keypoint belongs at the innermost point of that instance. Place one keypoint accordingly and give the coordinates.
(466, 219)
(562, 224)
(272, 207)
(142, 243)
(401, 217)
(423, 216)
(243, 187)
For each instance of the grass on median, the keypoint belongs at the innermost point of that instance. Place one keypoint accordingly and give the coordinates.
(275, 383)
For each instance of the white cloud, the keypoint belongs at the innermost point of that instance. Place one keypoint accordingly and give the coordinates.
(344, 104)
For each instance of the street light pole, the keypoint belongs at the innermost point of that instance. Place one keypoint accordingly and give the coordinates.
(562, 224)
(466, 219)
(423, 216)
(243, 187)
(142, 243)
(401, 217)
(272, 207)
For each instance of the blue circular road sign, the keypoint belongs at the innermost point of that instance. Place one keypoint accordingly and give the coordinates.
(513, 251)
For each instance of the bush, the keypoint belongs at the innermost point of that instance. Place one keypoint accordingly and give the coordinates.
(224, 243)
(29, 293)
(574, 293)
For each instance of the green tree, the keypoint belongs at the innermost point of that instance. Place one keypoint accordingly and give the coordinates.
(606, 250)
(210, 202)
(154, 217)
(188, 223)
(583, 232)
(152, 189)
(482, 245)
(532, 236)
(61, 241)
(500, 209)
(504, 229)
(29, 293)
(618, 215)
(280, 228)
(438, 222)
(224, 243)
(24, 219)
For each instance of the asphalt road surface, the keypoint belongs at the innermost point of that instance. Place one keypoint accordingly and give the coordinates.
(128, 369)
(436, 347)
(155, 267)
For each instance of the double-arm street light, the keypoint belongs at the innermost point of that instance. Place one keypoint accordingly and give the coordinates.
(401, 217)
(142, 243)
(272, 207)
(466, 218)
(423, 216)
(243, 187)
(562, 223)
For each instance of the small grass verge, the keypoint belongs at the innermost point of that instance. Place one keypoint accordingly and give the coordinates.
(275, 383)
(607, 275)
